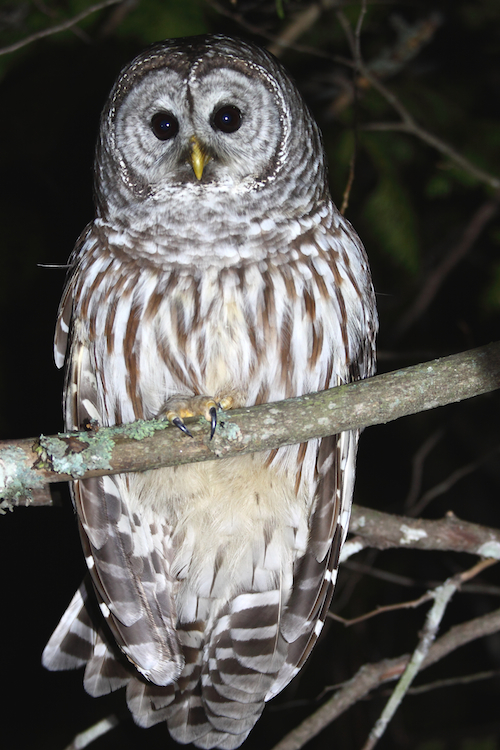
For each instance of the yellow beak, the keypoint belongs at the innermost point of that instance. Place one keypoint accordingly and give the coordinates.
(199, 157)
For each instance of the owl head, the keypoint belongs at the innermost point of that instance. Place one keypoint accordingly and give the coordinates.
(209, 117)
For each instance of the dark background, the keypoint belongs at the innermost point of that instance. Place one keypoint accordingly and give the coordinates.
(410, 204)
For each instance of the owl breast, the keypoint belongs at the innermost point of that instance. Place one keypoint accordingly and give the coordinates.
(258, 330)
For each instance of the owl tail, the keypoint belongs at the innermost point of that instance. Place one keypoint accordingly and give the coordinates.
(76, 642)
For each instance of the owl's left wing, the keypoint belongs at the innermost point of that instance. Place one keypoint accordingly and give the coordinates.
(315, 573)
(127, 555)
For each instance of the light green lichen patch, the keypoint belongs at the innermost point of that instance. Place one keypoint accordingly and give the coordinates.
(140, 429)
(73, 455)
(17, 481)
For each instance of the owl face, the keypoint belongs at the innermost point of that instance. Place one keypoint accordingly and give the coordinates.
(202, 120)
(218, 126)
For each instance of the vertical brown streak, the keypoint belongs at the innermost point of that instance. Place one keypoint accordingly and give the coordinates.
(90, 292)
(328, 377)
(200, 348)
(92, 326)
(319, 280)
(118, 414)
(111, 298)
(197, 322)
(317, 343)
(310, 305)
(130, 351)
(252, 335)
(343, 324)
(286, 331)
(285, 358)
(288, 278)
(353, 281)
(171, 364)
(272, 455)
(263, 394)
(316, 328)
(343, 313)
(153, 306)
(180, 324)
(301, 454)
(193, 382)
(269, 316)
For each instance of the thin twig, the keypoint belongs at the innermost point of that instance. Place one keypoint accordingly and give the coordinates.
(399, 580)
(357, 32)
(453, 681)
(58, 27)
(409, 125)
(417, 469)
(277, 42)
(449, 482)
(302, 22)
(83, 739)
(441, 596)
(436, 278)
(350, 181)
(381, 610)
(352, 163)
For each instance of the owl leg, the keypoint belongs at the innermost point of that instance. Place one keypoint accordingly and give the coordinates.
(178, 408)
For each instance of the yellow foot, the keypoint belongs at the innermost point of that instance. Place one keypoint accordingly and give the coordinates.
(178, 408)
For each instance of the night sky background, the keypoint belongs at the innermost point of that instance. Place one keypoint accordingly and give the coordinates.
(410, 204)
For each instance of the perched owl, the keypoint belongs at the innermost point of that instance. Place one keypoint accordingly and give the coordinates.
(217, 271)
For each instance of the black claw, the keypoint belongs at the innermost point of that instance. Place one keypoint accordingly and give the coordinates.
(213, 420)
(180, 424)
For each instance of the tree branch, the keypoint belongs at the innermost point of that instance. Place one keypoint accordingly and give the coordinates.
(439, 274)
(408, 124)
(58, 27)
(28, 465)
(385, 531)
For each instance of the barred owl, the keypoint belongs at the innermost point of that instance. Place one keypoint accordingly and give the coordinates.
(217, 271)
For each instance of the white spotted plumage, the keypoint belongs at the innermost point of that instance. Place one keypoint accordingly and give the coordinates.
(210, 582)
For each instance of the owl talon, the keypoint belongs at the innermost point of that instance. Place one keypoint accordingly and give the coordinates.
(213, 420)
(177, 421)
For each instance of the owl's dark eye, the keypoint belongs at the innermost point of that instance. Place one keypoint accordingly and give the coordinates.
(164, 125)
(227, 119)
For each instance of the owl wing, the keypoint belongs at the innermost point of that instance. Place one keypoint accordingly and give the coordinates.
(315, 573)
(127, 557)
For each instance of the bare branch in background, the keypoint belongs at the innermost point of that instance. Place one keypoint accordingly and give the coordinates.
(408, 123)
(382, 610)
(386, 531)
(64, 26)
(417, 469)
(371, 676)
(441, 595)
(438, 275)
(444, 486)
(85, 738)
